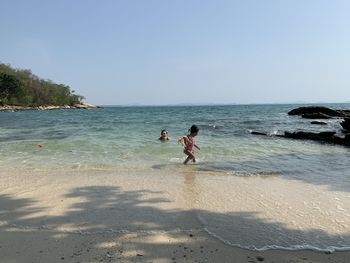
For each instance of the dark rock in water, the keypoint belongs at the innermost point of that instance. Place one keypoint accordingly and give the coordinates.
(315, 116)
(328, 137)
(318, 122)
(310, 111)
(347, 140)
(346, 124)
(258, 133)
(318, 113)
(338, 140)
(322, 136)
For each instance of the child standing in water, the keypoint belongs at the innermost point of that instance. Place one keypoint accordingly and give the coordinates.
(188, 142)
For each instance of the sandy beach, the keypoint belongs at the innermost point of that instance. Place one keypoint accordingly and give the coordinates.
(19, 245)
(108, 217)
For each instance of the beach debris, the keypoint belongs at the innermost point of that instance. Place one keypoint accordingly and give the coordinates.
(40, 145)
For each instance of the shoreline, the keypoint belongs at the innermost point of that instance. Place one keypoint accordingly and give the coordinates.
(13, 108)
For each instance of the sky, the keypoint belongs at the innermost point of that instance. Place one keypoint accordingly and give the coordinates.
(159, 52)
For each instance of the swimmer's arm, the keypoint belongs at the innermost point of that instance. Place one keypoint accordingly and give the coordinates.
(183, 141)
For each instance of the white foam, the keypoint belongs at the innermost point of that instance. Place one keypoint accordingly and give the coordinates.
(176, 231)
(279, 247)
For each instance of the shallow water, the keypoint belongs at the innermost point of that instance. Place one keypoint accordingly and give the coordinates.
(251, 191)
(118, 138)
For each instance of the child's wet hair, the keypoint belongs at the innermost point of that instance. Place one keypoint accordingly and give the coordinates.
(194, 129)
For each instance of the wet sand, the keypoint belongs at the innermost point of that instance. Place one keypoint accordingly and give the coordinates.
(50, 246)
(111, 217)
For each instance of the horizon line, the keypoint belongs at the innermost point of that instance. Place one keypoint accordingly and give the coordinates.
(215, 104)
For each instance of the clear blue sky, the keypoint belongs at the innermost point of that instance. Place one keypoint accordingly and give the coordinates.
(183, 51)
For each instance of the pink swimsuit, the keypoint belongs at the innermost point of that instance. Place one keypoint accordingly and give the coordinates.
(190, 144)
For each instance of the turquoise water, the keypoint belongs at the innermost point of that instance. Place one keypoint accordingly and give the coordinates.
(125, 138)
(245, 190)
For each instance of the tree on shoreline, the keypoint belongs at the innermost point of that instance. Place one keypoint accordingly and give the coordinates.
(23, 88)
(10, 88)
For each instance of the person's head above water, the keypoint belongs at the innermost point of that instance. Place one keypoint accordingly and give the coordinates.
(164, 135)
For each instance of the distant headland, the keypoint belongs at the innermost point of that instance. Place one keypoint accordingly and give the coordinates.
(21, 90)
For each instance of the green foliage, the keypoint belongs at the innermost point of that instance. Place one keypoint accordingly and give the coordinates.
(10, 88)
(22, 87)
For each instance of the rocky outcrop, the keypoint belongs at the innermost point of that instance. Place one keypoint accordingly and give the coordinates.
(318, 115)
(12, 108)
(318, 112)
(258, 133)
(84, 106)
(321, 136)
(327, 137)
(346, 124)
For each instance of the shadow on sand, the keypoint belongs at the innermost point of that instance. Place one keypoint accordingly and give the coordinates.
(124, 220)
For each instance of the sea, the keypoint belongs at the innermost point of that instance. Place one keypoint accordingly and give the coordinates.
(256, 192)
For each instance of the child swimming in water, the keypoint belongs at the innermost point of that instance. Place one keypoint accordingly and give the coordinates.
(164, 136)
(188, 142)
